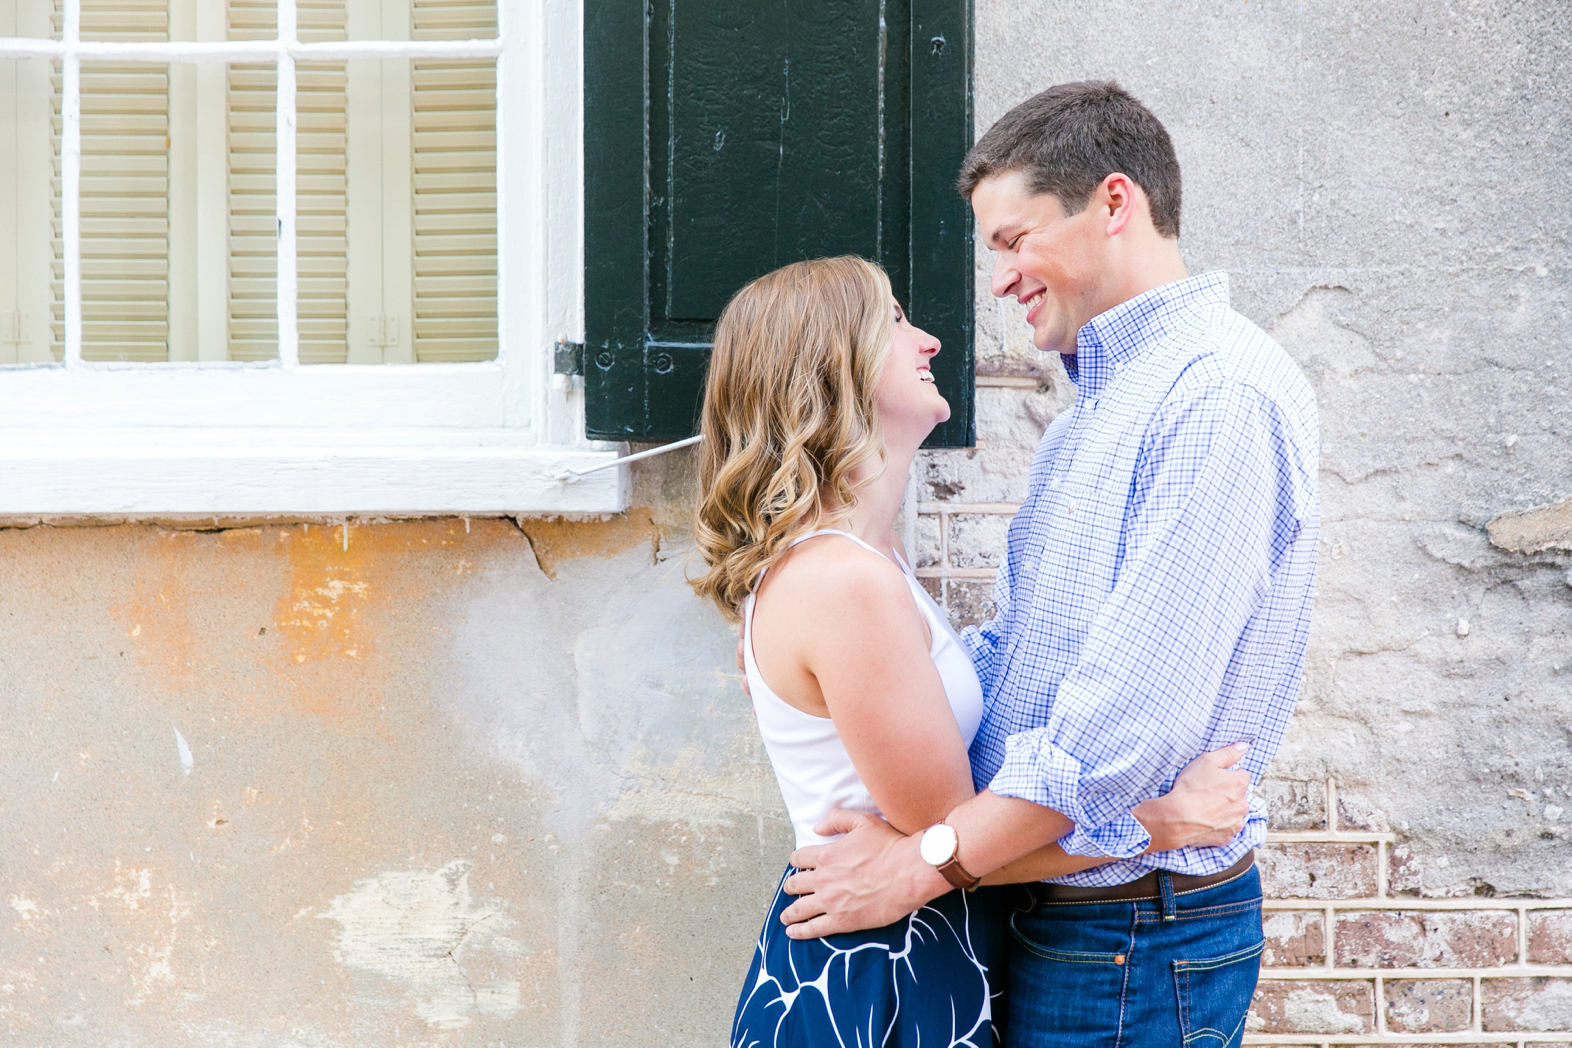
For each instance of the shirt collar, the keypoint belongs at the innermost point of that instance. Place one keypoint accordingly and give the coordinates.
(1114, 337)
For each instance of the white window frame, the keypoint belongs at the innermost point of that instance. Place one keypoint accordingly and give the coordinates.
(276, 439)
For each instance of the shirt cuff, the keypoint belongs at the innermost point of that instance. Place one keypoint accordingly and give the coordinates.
(1123, 838)
(1036, 770)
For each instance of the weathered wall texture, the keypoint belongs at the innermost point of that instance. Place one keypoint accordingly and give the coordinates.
(476, 783)
(436, 782)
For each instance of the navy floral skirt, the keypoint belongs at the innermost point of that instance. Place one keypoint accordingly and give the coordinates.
(922, 981)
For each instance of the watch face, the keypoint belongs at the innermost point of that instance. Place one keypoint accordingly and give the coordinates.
(938, 844)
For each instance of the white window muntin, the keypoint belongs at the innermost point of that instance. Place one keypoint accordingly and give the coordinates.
(218, 437)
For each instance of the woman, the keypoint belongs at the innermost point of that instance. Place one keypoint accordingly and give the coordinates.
(819, 395)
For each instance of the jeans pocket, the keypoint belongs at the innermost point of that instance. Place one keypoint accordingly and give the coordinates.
(1065, 995)
(1065, 956)
(1214, 995)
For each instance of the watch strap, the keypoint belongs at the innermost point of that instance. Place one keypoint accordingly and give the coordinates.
(957, 874)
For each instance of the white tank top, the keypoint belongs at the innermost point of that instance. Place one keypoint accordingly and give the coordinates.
(812, 766)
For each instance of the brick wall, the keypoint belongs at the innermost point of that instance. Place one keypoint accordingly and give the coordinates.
(1355, 955)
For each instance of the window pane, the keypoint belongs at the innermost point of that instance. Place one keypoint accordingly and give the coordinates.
(29, 19)
(321, 242)
(455, 145)
(125, 214)
(121, 20)
(416, 19)
(454, 20)
(27, 163)
(253, 212)
(396, 191)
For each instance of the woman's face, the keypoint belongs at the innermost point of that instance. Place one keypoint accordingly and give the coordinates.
(908, 400)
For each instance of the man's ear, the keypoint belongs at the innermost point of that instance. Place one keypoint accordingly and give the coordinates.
(1117, 198)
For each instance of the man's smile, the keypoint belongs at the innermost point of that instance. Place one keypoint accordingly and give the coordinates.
(1031, 302)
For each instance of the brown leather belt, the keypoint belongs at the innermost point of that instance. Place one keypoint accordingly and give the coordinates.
(1140, 888)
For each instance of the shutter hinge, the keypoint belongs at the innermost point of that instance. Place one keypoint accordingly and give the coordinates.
(569, 359)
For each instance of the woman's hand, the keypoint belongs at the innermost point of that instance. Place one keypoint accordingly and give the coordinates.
(1206, 807)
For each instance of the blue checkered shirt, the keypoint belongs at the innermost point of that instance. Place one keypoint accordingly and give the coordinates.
(1155, 597)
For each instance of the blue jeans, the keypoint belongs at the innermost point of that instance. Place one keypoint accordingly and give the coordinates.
(1175, 971)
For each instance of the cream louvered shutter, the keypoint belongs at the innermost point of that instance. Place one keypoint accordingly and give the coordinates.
(124, 194)
(25, 256)
(250, 150)
(455, 191)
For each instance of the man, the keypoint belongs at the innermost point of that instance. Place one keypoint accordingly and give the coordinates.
(1154, 602)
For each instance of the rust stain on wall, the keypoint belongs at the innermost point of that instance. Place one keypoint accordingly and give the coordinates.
(323, 612)
(557, 540)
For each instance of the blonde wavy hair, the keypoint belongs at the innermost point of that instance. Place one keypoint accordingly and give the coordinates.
(789, 418)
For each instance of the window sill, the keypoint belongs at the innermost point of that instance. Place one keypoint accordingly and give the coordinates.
(321, 472)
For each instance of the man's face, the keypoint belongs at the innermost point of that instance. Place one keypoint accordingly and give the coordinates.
(1047, 260)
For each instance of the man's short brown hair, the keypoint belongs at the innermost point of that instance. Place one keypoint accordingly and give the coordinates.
(1070, 137)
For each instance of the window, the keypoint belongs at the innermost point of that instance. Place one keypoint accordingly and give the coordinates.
(299, 257)
(724, 139)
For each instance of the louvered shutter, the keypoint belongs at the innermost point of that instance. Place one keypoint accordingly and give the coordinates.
(124, 195)
(321, 142)
(251, 150)
(455, 190)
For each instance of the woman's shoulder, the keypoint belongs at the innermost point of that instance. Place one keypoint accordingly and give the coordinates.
(832, 570)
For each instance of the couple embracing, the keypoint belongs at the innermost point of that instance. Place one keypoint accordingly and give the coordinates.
(1086, 756)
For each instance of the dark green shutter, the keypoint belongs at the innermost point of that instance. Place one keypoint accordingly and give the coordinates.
(725, 138)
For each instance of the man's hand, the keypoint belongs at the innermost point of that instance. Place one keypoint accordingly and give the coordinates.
(867, 879)
(1207, 806)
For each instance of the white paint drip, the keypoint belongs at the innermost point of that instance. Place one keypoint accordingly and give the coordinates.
(186, 761)
(418, 928)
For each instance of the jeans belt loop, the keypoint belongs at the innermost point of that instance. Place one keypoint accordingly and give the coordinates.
(1165, 886)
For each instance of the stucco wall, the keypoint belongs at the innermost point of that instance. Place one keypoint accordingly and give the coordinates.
(493, 783)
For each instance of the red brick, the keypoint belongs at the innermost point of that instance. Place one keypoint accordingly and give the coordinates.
(1430, 939)
(1403, 873)
(1429, 1005)
(1318, 870)
(1550, 936)
(1294, 1006)
(1294, 938)
(1527, 1004)
(1293, 804)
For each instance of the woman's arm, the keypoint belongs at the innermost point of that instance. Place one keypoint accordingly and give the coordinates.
(838, 631)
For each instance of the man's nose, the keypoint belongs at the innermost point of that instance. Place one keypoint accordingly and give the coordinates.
(1004, 277)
